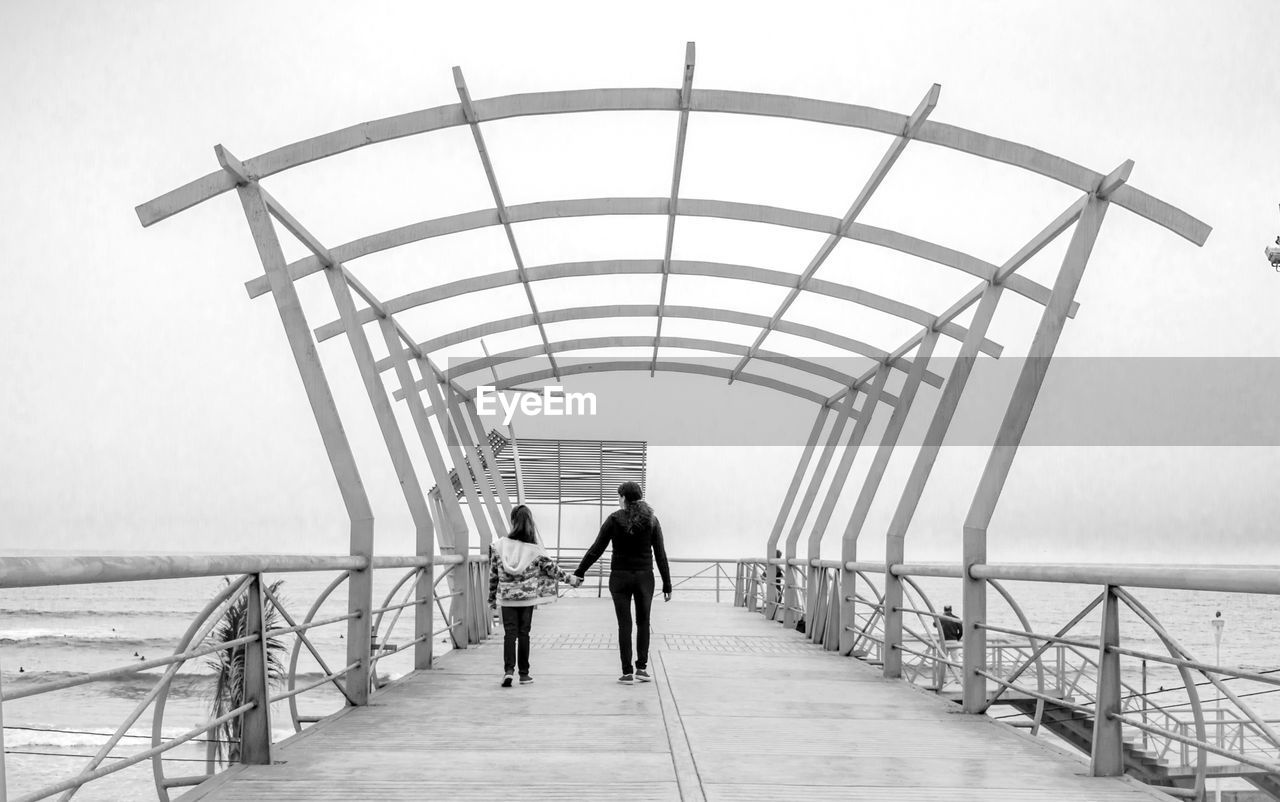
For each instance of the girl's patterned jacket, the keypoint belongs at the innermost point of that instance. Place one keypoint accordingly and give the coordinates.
(521, 574)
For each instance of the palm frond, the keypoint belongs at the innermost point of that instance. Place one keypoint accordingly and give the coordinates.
(228, 666)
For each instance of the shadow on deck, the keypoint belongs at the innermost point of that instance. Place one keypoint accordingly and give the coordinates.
(740, 709)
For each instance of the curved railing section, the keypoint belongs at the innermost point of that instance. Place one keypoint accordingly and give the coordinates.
(1059, 680)
(465, 620)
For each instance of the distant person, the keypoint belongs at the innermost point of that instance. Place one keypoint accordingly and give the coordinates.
(521, 576)
(636, 536)
(951, 630)
(777, 578)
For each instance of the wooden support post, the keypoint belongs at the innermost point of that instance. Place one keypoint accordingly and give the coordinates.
(806, 503)
(819, 531)
(451, 534)
(486, 448)
(452, 444)
(870, 486)
(255, 728)
(895, 543)
(771, 546)
(1017, 414)
(424, 531)
(514, 444)
(1107, 754)
(469, 445)
(337, 447)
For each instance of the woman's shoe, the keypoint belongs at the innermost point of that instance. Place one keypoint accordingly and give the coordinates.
(506, 680)
(627, 679)
(643, 676)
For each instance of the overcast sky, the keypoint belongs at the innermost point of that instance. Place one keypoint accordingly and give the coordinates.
(148, 404)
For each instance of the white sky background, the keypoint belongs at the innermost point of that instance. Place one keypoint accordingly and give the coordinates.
(149, 405)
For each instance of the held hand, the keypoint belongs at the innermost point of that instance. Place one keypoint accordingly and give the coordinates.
(575, 581)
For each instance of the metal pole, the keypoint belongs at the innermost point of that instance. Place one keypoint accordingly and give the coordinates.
(255, 731)
(1107, 756)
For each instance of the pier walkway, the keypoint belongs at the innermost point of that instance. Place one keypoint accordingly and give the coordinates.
(740, 709)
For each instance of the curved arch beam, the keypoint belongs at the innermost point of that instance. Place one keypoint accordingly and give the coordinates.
(640, 310)
(758, 275)
(691, 207)
(646, 341)
(619, 366)
(708, 100)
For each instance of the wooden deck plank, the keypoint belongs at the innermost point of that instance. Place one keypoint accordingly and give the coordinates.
(741, 709)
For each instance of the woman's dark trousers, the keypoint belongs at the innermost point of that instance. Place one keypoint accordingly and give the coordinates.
(516, 622)
(625, 586)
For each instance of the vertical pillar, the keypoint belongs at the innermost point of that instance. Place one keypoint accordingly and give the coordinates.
(819, 531)
(486, 448)
(452, 440)
(424, 532)
(806, 503)
(895, 541)
(255, 729)
(469, 446)
(1017, 414)
(338, 449)
(453, 527)
(1107, 755)
(853, 529)
(771, 546)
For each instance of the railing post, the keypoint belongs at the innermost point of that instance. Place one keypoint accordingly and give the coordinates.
(738, 599)
(424, 613)
(4, 785)
(458, 605)
(255, 725)
(1108, 748)
(974, 615)
(892, 657)
(717, 583)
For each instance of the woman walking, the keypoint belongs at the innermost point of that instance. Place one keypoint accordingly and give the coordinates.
(636, 536)
(521, 576)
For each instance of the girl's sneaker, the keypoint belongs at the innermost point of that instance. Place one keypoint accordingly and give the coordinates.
(506, 680)
(525, 679)
(627, 679)
(643, 676)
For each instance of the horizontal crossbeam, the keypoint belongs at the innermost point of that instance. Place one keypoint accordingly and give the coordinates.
(703, 100)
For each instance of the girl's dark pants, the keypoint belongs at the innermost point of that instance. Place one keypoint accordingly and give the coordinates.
(515, 630)
(625, 586)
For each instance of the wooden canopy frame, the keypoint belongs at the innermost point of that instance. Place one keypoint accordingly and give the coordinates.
(447, 400)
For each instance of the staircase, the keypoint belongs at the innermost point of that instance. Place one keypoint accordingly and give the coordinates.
(1076, 728)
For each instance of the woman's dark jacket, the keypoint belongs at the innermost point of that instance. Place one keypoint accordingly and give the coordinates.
(633, 550)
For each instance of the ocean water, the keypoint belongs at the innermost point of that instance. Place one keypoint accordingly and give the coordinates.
(49, 633)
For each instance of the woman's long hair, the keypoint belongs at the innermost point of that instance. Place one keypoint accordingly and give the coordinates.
(635, 512)
(522, 526)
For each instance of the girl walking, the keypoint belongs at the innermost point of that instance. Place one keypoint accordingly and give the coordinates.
(521, 576)
(637, 541)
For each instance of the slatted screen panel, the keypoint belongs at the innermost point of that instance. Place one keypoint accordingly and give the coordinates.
(566, 471)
